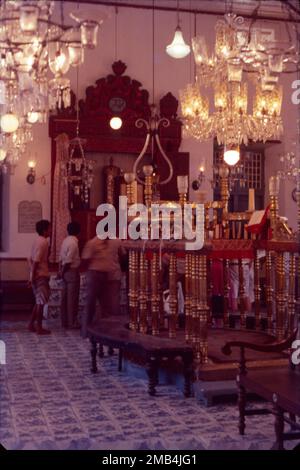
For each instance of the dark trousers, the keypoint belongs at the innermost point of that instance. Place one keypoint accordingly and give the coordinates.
(70, 298)
(107, 292)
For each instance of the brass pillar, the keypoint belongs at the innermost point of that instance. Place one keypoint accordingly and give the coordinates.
(291, 292)
(173, 296)
(143, 293)
(155, 294)
(242, 295)
(280, 296)
(269, 292)
(148, 190)
(193, 301)
(133, 293)
(257, 290)
(187, 300)
(226, 283)
(203, 308)
(209, 288)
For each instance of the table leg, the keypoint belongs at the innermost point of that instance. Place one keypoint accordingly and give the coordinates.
(152, 371)
(279, 428)
(242, 407)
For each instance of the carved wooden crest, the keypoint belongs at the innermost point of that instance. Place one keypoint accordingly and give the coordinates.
(121, 96)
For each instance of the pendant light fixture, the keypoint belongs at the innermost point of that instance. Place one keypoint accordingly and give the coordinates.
(9, 123)
(78, 170)
(116, 122)
(152, 140)
(178, 49)
(232, 155)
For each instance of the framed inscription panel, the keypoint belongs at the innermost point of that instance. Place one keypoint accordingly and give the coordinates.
(29, 212)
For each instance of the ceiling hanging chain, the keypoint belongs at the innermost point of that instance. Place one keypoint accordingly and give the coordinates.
(195, 35)
(62, 16)
(116, 32)
(154, 123)
(190, 28)
(153, 51)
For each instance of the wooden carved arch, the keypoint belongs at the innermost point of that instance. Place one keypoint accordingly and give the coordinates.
(118, 95)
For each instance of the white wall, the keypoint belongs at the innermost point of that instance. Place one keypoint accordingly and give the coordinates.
(135, 49)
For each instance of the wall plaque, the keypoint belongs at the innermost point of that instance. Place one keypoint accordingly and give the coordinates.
(29, 212)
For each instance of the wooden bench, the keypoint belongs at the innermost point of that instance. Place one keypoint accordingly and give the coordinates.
(279, 386)
(114, 333)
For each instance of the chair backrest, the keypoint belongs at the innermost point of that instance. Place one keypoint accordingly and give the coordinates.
(276, 347)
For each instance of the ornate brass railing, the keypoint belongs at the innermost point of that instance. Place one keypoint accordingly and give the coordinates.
(145, 289)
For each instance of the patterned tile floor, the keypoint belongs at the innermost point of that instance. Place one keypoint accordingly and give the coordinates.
(50, 400)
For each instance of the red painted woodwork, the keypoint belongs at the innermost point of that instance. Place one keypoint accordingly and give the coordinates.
(95, 113)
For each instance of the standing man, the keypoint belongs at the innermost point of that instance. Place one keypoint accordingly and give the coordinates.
(101, 258)
(39, 276)
(69, 260)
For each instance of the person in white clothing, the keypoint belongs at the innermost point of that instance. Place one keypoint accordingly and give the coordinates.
(69, 263)
(39, 276)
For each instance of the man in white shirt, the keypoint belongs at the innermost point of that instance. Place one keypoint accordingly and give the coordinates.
(69, 260)
(39, 276)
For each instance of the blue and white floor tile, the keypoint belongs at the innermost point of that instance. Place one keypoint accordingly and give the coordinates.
(50, 400)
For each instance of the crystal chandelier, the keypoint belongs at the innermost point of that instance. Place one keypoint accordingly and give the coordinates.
(31, 44)
(242, 58)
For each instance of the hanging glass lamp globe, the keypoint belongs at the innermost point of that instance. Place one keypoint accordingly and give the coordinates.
(231, 156)
(178, 49)
(9, 123)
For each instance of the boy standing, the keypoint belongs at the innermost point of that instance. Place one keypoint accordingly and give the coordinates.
(39, 276)
(69, 271)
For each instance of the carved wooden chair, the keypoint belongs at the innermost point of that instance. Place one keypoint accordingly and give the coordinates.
(279, 386)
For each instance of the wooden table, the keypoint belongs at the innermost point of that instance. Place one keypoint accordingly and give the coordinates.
(114, 333)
